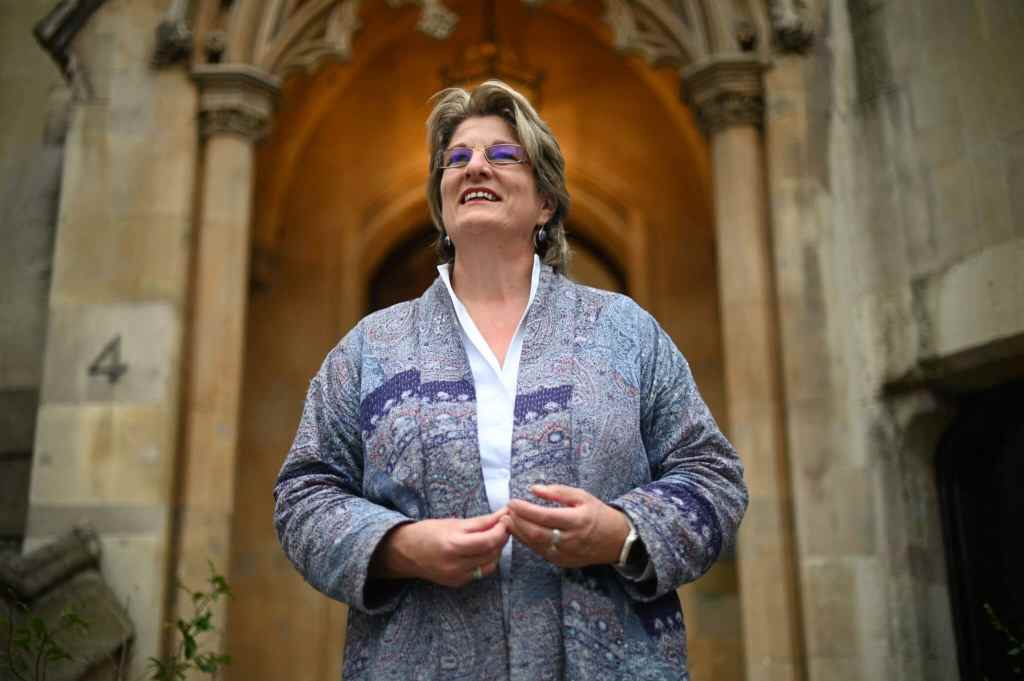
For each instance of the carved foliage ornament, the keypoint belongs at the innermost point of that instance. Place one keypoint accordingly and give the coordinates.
(725, 91)
(249, 124)
(727, 109)
(234, 99)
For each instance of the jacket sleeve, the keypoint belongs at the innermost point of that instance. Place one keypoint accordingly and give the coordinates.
(692, 507)
(327, 529)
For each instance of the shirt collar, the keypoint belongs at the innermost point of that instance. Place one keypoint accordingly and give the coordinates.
(444, 271)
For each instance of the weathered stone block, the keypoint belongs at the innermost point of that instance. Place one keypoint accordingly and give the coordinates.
(830, 609)
(150, 341)
(976, 303)
(92, 455)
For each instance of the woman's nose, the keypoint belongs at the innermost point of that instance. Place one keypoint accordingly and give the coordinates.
(478, 163)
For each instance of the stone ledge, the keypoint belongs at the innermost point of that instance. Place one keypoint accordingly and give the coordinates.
(970, 321)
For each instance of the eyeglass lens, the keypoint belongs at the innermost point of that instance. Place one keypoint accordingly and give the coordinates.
(496, 154)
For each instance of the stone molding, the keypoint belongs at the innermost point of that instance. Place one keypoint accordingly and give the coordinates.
(56, 31)
(725, 91)
(235, 99)
(791, 25)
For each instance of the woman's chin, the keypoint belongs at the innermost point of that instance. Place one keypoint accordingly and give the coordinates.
(484, 229)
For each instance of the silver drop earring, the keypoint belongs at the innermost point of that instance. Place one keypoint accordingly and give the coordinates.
(540, 237)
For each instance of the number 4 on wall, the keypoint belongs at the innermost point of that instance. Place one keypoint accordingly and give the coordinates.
(109, 363)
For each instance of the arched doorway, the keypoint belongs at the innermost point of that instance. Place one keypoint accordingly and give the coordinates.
(339, 195)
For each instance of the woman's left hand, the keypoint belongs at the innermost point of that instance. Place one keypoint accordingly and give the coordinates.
(590, 532)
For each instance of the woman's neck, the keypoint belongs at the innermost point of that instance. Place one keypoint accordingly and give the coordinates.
(489, 280)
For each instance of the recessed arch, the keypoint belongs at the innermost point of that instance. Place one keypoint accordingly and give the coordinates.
(341, 183)
(387, 30)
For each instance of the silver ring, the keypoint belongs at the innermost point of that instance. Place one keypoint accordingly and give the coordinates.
(556, 538)
(478, 573)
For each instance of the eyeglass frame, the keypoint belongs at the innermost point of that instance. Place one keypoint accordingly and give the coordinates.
(479, 147)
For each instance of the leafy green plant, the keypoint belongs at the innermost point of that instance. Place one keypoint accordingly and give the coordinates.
(31, 645)
(1015, 647)
(189, 653)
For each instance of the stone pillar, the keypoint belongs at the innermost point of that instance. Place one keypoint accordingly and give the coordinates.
(106, 442)
(727, 97)
(236, 103)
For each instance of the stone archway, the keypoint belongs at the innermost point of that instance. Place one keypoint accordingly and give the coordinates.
(721, 52)
(647, 202)
(243, 49)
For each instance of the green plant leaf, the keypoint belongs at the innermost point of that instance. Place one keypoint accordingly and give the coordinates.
(38, 628)
(205, 663)
(203, 622)
(190, 647)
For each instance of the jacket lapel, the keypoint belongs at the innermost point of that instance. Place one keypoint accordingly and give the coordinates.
(542, 452)
(454, 484)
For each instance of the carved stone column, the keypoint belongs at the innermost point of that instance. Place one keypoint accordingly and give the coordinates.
(727, 96)
(236, 103)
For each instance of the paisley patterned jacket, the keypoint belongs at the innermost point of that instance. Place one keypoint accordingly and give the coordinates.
(605, 402)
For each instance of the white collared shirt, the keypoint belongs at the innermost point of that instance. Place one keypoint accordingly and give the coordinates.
(495, 385)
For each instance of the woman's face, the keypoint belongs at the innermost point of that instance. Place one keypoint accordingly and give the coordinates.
(511, 202)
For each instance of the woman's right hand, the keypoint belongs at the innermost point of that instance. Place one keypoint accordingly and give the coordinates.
(444, 551)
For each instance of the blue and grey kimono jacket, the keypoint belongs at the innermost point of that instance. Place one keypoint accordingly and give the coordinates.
(605, 402)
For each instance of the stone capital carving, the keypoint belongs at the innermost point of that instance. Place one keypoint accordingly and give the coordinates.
(725, 91)
(235, 99)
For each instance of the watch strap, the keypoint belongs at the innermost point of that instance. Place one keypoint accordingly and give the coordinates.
(627, 545)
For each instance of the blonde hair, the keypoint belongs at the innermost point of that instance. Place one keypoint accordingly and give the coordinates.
(495, 98)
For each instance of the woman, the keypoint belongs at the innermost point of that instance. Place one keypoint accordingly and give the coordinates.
(508, 477)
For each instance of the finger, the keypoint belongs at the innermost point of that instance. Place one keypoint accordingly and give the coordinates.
(483, 542)
(562, 494)
(483, 523)
(565, 518)
(486, 569)
(537, 537)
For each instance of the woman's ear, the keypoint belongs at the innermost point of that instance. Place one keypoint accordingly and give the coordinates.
(547, 210)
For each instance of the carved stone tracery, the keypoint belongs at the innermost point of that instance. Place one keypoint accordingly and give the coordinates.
(654, 30)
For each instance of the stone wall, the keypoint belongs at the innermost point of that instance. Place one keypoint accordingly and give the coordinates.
(107, 440)
(896, 163)
(33, 105)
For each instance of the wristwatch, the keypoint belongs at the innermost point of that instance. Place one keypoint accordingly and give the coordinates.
(627, 546)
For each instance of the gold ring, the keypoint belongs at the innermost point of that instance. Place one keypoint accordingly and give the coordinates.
(556, 538)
